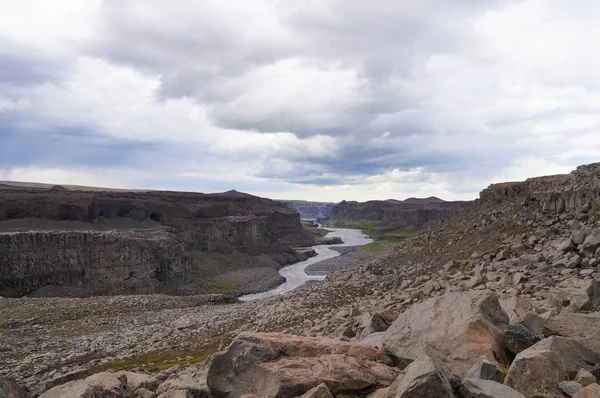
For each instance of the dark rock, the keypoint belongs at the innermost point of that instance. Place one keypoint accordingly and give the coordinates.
(593, 292)
(519, 338)
(484, 369)
(422, 378)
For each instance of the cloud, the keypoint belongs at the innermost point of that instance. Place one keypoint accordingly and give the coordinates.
(342, 99)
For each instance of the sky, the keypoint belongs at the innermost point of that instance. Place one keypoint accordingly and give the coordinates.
(319, 100)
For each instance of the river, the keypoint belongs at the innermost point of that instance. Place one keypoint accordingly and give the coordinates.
(295, 275)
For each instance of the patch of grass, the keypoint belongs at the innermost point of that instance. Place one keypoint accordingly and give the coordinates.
(156, 361)
(374, 247)
(315, 230)
(216, 289)
(381, 233)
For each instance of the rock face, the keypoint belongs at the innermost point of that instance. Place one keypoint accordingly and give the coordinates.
(411, 213)
(549, 362)
(274, 364)
(89, 243)
(101, 385)
(474, 319)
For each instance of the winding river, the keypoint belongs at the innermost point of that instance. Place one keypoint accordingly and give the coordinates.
(295, 275)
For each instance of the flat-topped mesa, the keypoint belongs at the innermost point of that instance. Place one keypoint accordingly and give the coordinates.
(574, 192)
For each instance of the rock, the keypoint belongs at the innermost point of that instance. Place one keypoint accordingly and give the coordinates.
(583, 328)
(503, 254)
(578, 236)
(176, 394)
(484, 369)
(374, 323)
(71, 376)
(566, 245)
(291, 365)
(477, 388)
(519, 338)
(374, 340)
(474, 320)
(516, 307)
(10, 389)
(143, 393)
(569, 388)
(138, 380)
(195, 384)
(593, 292)
(100, 385)
(320, 391)
(590, 244)
(569, 295)
(534, 322)
(591, 391)
(423, 379)
(477, 279)
(549, 362)
(585, 378)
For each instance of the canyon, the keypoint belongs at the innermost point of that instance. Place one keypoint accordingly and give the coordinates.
(56, 242)
(499, 300)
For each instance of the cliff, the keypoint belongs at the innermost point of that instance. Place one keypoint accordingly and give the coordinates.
(410, 214)
(60, 242)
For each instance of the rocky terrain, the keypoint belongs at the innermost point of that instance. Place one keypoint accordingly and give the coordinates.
(501, 300)
(57, 242)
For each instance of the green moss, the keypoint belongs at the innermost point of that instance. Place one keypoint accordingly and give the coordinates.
(156, 361)
(216, 289)
(374, 247)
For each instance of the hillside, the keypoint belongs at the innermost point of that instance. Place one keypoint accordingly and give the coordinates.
(393, 220)
(501, 300)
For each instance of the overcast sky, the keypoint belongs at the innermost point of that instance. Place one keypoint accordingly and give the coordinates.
(314, 99)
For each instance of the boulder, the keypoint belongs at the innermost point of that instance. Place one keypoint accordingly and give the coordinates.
(569, 295)
(276, 364)
(593, 293)
(477, 388)
(373, 324)
(516, 307)
(585, 378)
(9, 388)
(71, 376)
(320, 391)
(176, 394)
(591, 391)
(484, 369)
(138, 380)
(590, 244)
(100, 385)
(456, 327)
(549, 362)
(519, 338)
(569, 388)
(584, 328)
(423, 378)
(193, 383)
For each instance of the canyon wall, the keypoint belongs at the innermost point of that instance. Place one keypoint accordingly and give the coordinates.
(313, 210)
(89, 243)
(412, 213)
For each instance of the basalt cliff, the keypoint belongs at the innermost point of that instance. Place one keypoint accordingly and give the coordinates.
(61, 242)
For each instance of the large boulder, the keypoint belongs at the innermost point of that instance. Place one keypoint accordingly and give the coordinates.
(590, 244)
(422, 378)
(100, 385)
(9, 388)
(276, 364)
(477, 388)
(456, 328)
(549, 362)
(320, 391)
(519, 338)
(585, 328)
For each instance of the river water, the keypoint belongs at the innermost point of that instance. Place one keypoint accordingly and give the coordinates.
(295, 275)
